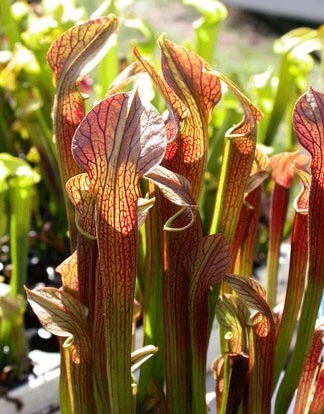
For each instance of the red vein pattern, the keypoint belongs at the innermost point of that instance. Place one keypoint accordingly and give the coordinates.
(308, 123)
(70, 56)
(297, 273)
(308, 119)
(239, 154)
(245, 235)
(261, 342)
(317, 405)
(190, 93)
(282, 173)
(310, 378)
(199, 91)
(207, 264)
(63, 315)
(118, 142)
(186, 155)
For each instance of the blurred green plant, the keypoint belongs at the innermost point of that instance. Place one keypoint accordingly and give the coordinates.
(27, 91)
(207, 27)
(17, 183)
(275, 92)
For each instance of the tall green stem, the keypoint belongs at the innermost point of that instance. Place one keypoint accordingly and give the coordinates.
(295, 289)
(20, 196)
(152, 372)
(278, 210)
